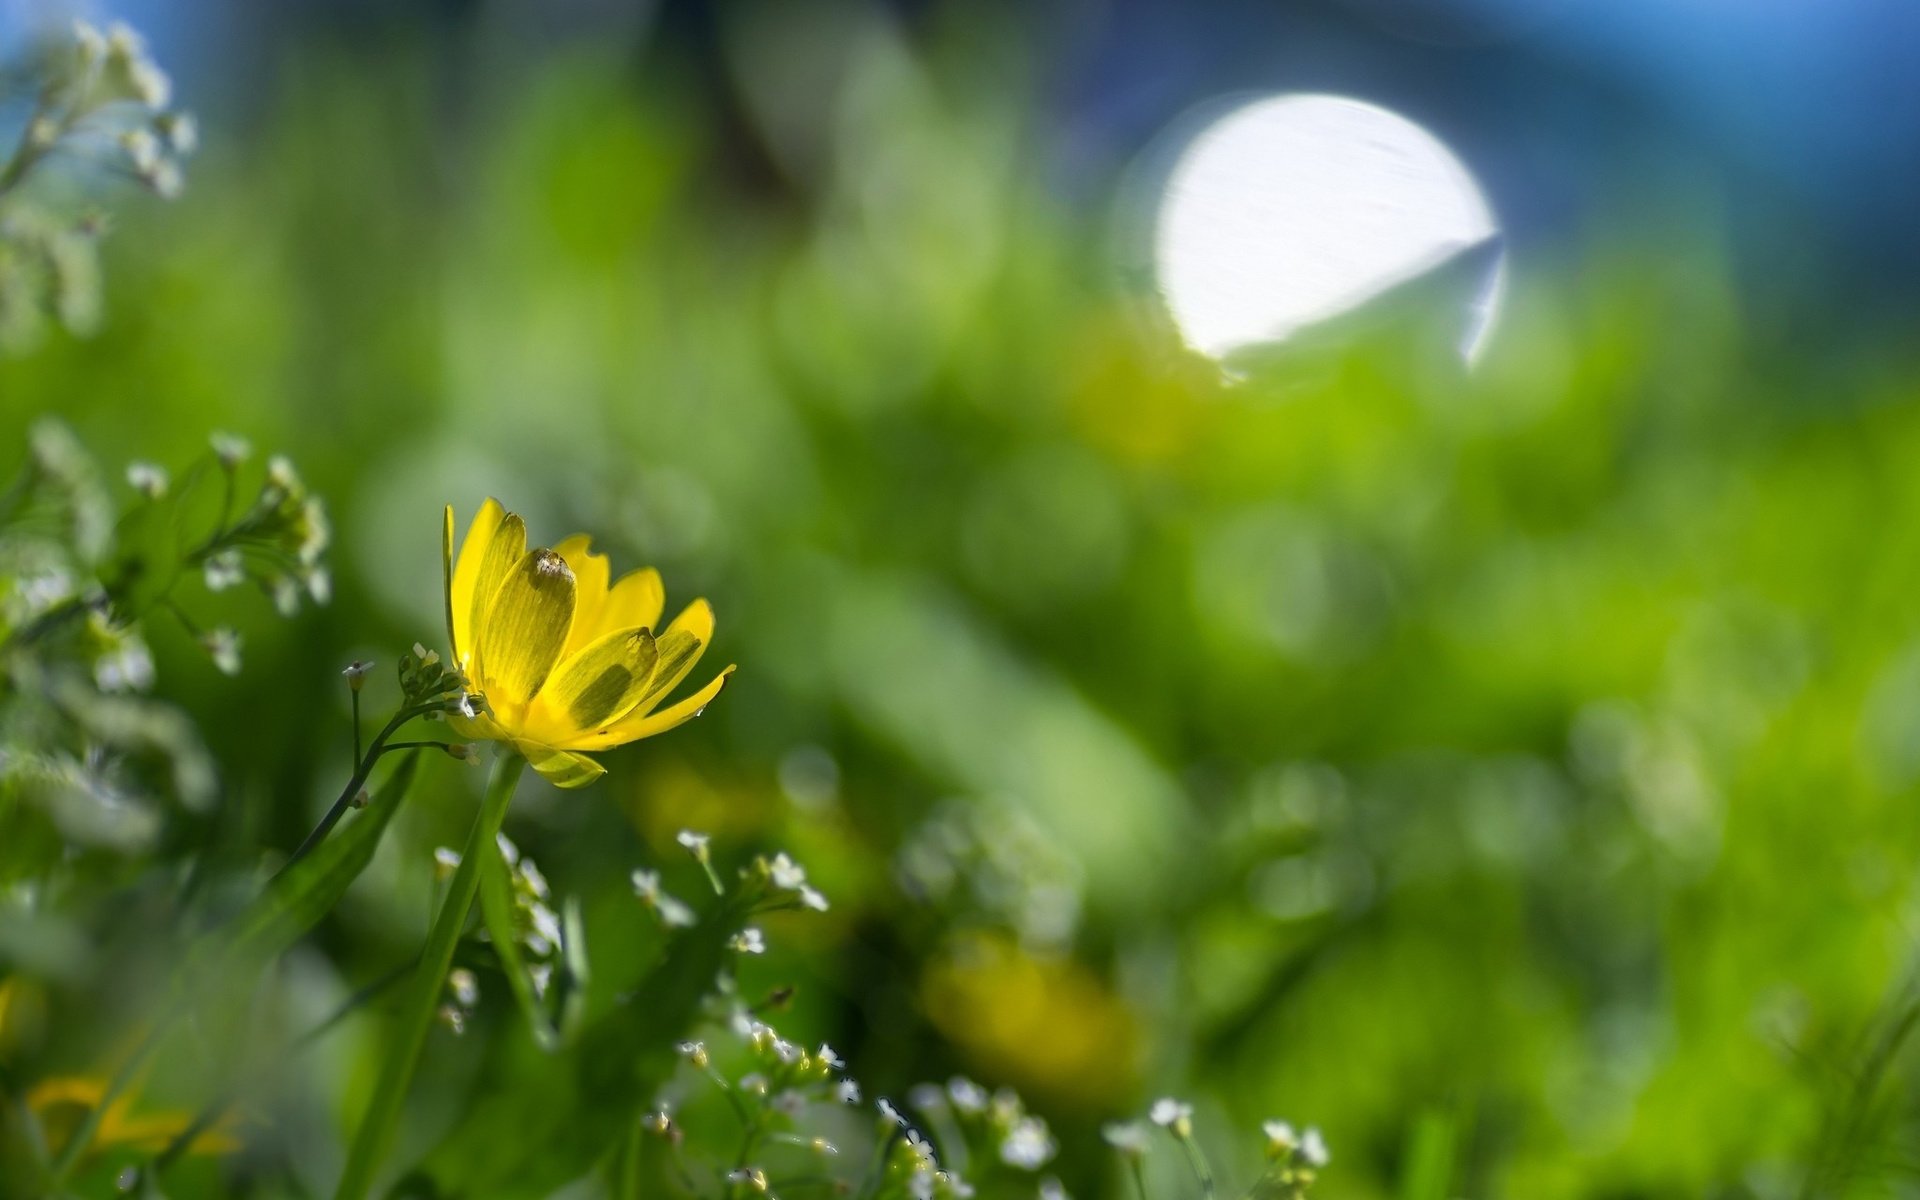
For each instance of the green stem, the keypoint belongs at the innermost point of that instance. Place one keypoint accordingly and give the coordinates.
(377, 1126)
(1197, 1159)
(354, 784)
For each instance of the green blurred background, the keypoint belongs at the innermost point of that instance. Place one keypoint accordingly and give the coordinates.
(1524, 755)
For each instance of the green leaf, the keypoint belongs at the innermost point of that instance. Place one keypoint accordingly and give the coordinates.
(305, 892)
(379, 1123)
(528, 1134)
(1428, 1174)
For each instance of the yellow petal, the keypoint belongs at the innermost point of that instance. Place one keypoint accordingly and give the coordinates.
(680, 648)
(593, 687)
(464, 571)
(635, 601)
(446, 581)
(477, 728)
(495, 542)
(645, 725)
(563, 768)
(525, 628)
(590, 575)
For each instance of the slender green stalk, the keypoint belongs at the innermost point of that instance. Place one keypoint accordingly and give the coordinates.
(1139, 1176)
(1197, 1159)
(377, 1126)
(354, 784)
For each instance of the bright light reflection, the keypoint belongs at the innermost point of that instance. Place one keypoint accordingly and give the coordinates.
(1291, 210)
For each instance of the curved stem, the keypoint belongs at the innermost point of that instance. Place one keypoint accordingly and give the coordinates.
(359, 780)
(377, 1126)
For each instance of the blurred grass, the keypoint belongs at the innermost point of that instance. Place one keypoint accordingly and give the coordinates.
(1535, 747)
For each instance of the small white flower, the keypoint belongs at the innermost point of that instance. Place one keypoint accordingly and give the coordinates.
(149, 479)
(787, 874)
(1128, 1137)
(463, 985)
(926, 1097)
(542, 976)
(535, 881)
(847, 1092)
(223, 646)
(967, 1096)
(694, 1052)
(1313, 1148)
(754, 1084)
(286, 595)
(281, 474)
(230, 449)
(446, 861)
(1028, 1145)
(889, 1113)
(1281, 1138)
(225, 570)
(829, 1058)
(658, 1121)
(787, 1052)
(1168, 1112)
(695, 843)
(508, 850)
(1052, 1189)
(672, 913)
(811, 898)
(181, 131)
(753, 1177)
(92, 43)
(920, 1186)
(546, 929)
(749, 941)
(127, 668)
(921, 1148)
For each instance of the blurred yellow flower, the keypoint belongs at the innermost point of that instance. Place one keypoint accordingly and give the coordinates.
(59, 1105)
(1044, 1022)
(566, 661)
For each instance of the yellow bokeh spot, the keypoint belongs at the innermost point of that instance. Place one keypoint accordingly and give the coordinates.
(1044, 1024)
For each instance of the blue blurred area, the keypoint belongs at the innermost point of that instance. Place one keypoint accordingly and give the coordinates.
(1810, 106)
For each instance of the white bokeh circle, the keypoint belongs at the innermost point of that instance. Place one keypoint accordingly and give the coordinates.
(1293, 209)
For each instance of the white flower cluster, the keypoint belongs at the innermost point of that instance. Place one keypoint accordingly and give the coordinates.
(672, 913)
(1294, 1157)
(535, 924)
(787, 875)
(772, 1083)
(996, 1122)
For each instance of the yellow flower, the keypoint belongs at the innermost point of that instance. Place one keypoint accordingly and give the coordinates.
(59, 1105)
(566, 662)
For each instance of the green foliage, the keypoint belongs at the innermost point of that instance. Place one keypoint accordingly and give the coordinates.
(1511, 772)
